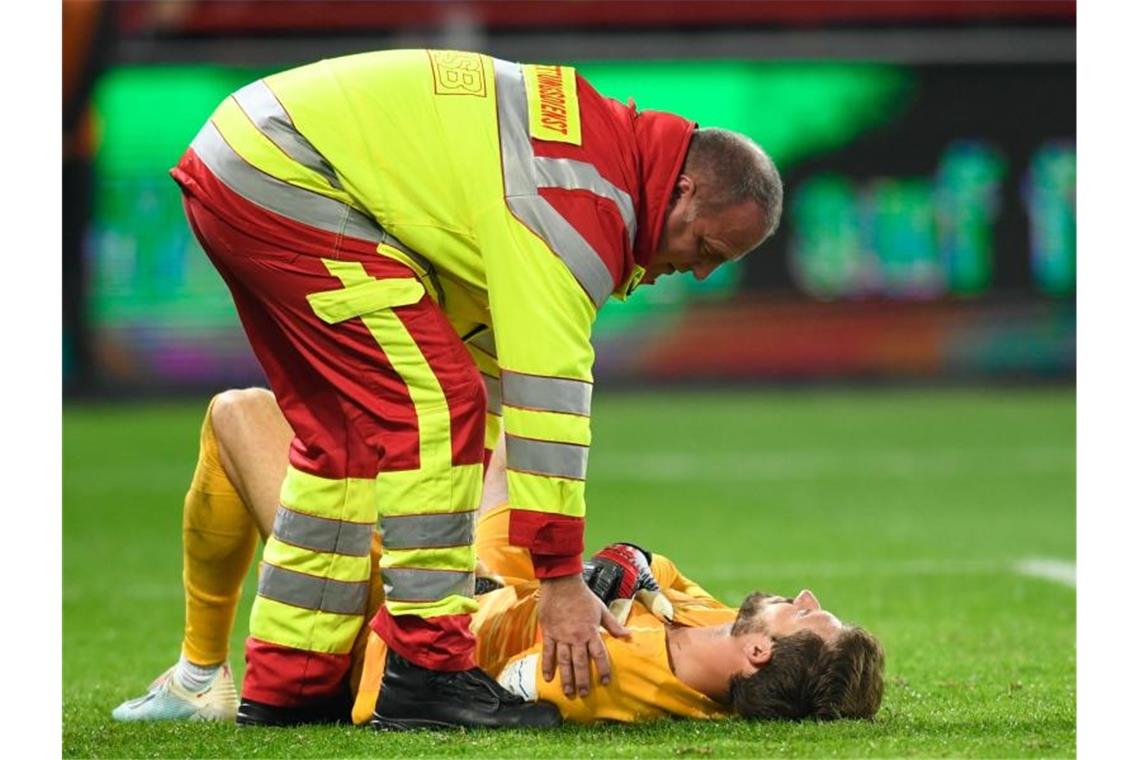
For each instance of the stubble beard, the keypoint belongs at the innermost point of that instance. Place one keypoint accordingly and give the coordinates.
(748, 619)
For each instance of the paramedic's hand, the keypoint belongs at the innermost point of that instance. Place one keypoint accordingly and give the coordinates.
(620, 573)
(570, 614)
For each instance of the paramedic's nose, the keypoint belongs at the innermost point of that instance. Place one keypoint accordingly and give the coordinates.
(701, 270)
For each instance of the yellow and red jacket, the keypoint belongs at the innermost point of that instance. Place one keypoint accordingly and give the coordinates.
(521, 198)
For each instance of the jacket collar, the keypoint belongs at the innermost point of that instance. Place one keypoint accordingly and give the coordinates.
(662, 141)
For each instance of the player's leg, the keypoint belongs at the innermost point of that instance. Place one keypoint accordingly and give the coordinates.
(253, 445)
(219, 535)
(220, 521)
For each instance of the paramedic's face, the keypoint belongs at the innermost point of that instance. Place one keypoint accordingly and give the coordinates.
(698, 240)
(780, 616)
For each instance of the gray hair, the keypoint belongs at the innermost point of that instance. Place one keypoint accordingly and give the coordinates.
(741, 171)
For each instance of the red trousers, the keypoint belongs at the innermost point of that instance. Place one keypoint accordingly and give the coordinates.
(351, 413)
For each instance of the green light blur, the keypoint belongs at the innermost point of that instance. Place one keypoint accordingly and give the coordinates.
(1050, 196)
(793, 110)
(149, 114)
(968, 203)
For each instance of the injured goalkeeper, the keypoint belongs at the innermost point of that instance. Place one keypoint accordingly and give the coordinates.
(686, 655)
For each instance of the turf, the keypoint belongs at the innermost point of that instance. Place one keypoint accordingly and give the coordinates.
(913, 513)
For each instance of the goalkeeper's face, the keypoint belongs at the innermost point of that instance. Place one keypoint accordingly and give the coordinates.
(781, 616)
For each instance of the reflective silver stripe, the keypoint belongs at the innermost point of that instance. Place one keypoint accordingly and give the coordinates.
(271, 119)
(494, 388)
(551, 394)
(562, 460)
(428, 531)
(521, 186)
(280, 197)
(269, 116)
(404, 585)
(311, 592)
(485, 342)
(321, 534)
(569, 174)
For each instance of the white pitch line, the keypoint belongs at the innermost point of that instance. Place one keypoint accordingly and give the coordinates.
(1056, 570)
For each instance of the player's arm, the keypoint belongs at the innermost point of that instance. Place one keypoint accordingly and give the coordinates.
(630, 581)
(623, 572)
(619, 574)
(670, 577)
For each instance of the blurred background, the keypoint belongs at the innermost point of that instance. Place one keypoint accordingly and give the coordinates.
(927, 149)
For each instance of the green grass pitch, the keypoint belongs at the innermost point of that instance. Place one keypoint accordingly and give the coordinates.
(942, 520)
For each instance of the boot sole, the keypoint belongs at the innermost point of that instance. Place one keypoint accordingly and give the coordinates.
(266, 720)
(420, 724)
(380, 723)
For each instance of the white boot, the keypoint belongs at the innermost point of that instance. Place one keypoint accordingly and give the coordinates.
(166, 699)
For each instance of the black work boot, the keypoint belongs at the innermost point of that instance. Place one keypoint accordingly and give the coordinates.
(415, 697)
(335, 710)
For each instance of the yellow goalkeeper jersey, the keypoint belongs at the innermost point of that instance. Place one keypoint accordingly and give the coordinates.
(509, 644)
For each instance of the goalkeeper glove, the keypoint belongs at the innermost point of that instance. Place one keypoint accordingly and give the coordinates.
(485, 580)
(620, 573)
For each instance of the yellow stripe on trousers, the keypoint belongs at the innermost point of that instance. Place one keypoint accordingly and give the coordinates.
(437, 486)
(425, 581)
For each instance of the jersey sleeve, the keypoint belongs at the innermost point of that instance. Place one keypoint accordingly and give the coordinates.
(670, 578)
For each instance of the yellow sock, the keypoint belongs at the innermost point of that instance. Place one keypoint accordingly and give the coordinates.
(218, 540)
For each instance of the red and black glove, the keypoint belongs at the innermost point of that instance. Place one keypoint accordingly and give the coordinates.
(620, 573)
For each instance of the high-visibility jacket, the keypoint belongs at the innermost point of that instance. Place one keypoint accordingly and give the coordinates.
(522, 199)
